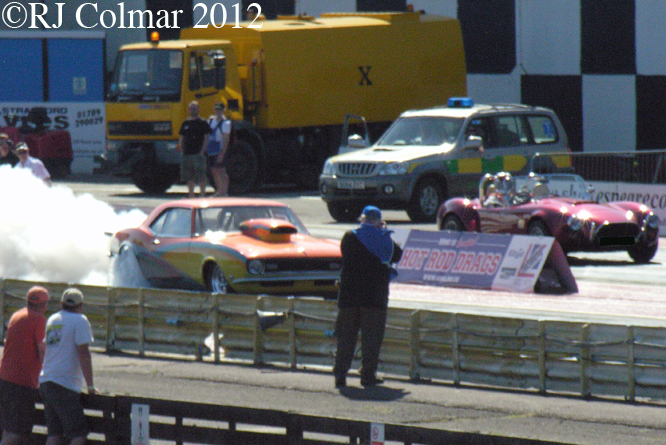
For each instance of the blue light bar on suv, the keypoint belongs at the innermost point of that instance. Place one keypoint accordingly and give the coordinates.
(460, 102)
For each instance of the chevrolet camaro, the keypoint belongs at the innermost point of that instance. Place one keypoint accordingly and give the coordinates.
(240, 245)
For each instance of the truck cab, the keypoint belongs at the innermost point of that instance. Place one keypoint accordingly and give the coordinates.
(147, 99)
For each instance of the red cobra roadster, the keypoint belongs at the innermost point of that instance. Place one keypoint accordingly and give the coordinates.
(576, 222)
(241, 245)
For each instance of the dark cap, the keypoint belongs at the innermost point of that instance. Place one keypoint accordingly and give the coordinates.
(72, 297)
(219, 106)
(372, 213)
(37, 295)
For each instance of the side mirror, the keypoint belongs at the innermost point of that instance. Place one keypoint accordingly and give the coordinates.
(220, 61)
(473, 142)
(355, 141)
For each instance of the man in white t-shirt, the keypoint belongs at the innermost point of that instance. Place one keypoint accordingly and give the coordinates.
(33, 164)
(67, 366)
(218, 144)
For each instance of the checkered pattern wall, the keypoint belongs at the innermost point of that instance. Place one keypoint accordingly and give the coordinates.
(600, 64)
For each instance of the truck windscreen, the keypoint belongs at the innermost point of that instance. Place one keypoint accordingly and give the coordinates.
(147, 76)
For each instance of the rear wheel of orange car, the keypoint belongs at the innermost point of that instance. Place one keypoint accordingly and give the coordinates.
(216, 280)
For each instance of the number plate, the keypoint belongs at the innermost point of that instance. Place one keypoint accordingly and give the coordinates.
(348, 184)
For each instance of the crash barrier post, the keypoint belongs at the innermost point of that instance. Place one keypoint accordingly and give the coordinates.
(544, 355)
(110, 421)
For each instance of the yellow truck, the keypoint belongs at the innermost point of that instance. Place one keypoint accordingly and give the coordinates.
(287, 84)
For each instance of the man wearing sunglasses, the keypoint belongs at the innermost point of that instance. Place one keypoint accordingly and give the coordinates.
(33, 164)
(6, 154)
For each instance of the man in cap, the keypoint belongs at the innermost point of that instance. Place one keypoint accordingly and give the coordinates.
(35, 165)
(367, 255)
(6, 154)
(67, 366)
(20, 367)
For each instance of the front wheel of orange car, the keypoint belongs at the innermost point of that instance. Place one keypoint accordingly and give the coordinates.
(216, 280)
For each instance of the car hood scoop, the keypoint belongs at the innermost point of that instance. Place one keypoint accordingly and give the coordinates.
(268, 230)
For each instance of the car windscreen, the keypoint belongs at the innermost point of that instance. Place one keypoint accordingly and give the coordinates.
(229, 218)
(422, 130)
(147, 75)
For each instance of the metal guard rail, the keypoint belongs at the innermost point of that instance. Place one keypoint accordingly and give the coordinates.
(548, 356)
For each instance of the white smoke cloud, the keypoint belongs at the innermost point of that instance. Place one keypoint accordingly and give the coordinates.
(50, 234)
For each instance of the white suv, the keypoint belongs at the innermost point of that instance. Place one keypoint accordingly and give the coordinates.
(427, 156)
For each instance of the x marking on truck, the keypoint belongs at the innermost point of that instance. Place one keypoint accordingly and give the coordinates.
(364, 75)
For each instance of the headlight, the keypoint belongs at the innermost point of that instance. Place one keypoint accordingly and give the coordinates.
(395, 168)
(652, 221)
(255, 267)
(575, 223)
(329, 168)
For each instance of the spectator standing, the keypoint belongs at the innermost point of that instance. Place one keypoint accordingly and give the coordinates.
(67, 366)
(367, 255)
(193, 141)
(6, 154)
(218, 144)
(35, 165)
(20, 367)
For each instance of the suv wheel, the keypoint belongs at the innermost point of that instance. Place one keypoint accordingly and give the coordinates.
(426, 199)
(342, 212)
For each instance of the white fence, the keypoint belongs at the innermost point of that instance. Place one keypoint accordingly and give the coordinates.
(530, 354)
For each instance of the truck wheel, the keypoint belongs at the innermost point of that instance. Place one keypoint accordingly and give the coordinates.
(342, 212)
(155, 180)
(242, 168)
(426, 199)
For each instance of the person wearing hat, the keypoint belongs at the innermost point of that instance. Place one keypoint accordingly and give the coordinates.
(36, 166)
(20, 367)
(67, 367)
(7, 156)
(367, 255)
(220, 135)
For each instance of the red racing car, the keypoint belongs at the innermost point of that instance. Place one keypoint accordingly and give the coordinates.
(532, 205)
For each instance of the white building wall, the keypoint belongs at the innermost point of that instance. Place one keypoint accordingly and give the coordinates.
(651, 37)
(609, 113)
(548, 36)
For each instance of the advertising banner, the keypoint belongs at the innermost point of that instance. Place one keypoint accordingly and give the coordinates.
(84, 122)
(474, 260)
(653, 196)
